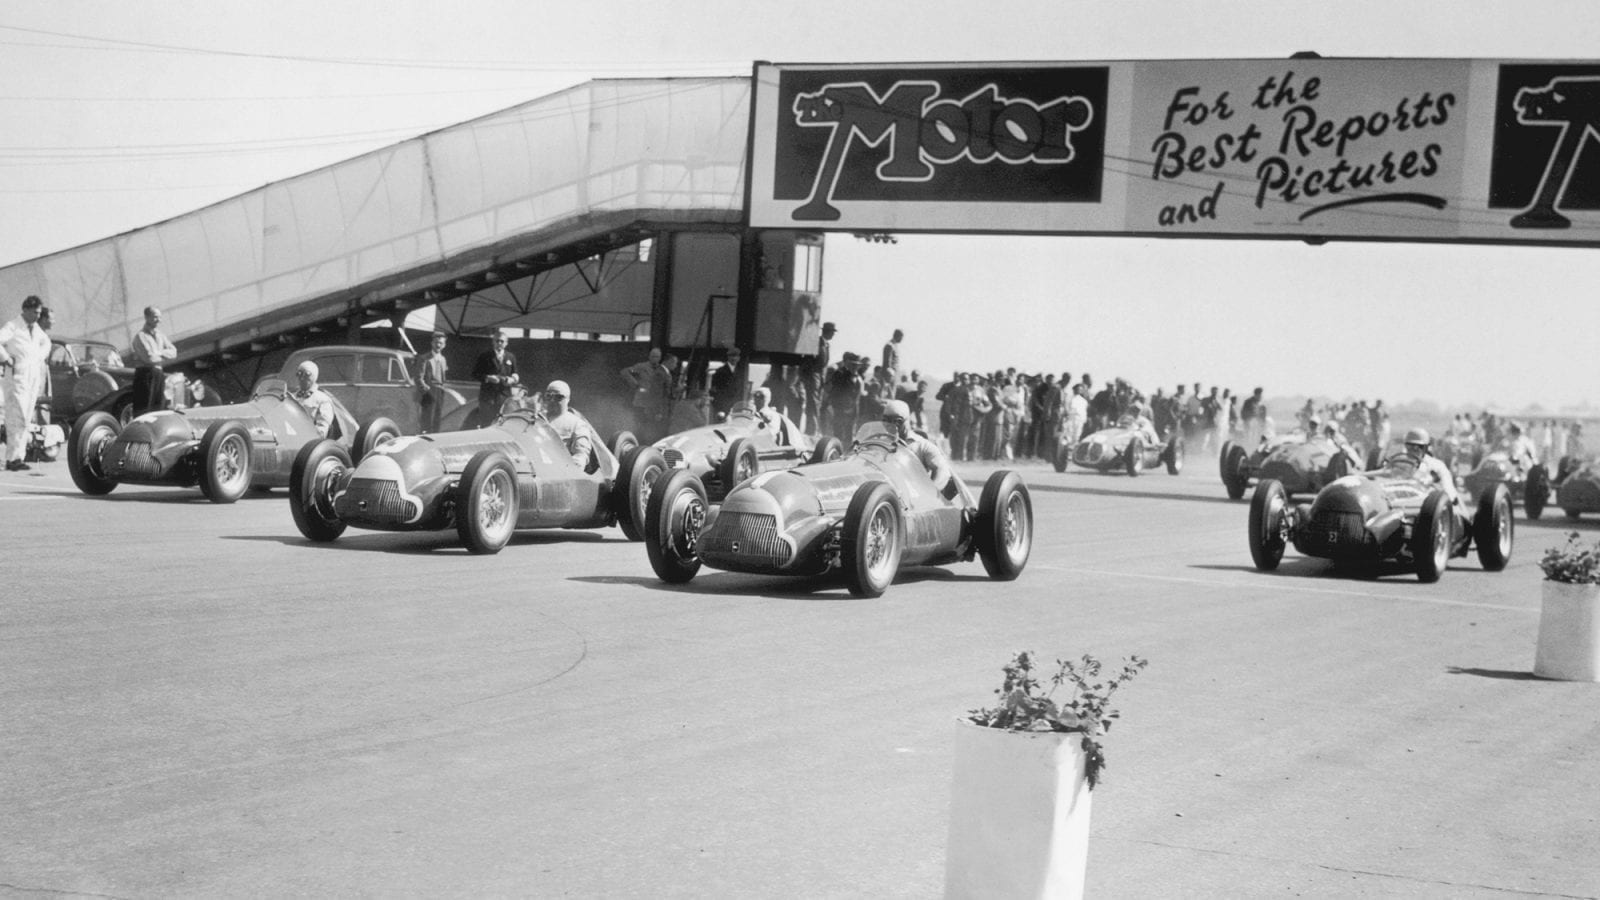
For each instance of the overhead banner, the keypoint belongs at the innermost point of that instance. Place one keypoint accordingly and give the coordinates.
(1381, 149)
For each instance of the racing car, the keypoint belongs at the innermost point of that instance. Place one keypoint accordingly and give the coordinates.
(1575, 489)
(1388, 515)
(1303, 465)
(864, 516)
(726, 453)
(1531, 488)
(486, 483)
(226, 450)
(1123, 446)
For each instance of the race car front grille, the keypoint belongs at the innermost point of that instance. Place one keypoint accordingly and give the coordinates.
(1090, 453)
(1329, 530)
(137, 461)
(375, 500)
(674, 458)
(750, 536)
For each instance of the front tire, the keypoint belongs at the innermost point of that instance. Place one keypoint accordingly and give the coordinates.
(316, 469)
(1174, 456)
(1492, 528)
(90, 434)
(1135, 457)
(872, 540)
(1267, 513)
(1004, 524)
(225, 469)
(1432, 536)
(621, 443)
(370, 436)
(1536, 492)
(642, 468)
(673, 519)
(1063, 455)
(486, 502)
(741, 463)
(827, 449)
(1231, 462)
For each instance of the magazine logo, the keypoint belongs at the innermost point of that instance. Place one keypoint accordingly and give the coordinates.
(1546, 118)
(915, 130)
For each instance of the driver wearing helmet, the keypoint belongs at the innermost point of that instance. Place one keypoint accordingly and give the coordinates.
(897, 418)
(769, 418)
(1430, 469)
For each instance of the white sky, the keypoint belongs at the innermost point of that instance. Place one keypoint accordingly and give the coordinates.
(108, 127)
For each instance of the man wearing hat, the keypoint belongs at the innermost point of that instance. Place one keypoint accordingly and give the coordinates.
(24, 348)
(812, 372)
(845, 389)
(573, 429)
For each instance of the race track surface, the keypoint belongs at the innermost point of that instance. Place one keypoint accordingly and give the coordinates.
(199, 703)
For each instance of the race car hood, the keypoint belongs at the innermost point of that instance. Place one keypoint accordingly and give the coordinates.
(1352, 494)
(422, 457)
(166, 427)
(1495, 467)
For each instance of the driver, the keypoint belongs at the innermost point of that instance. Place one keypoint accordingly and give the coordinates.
(1519, 448)
(315, 400)
(1336, 439)
(897, 418)
(572, 428)
(1430, 469)
(770, 418)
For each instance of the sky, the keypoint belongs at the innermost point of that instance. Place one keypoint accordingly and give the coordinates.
(121, 114)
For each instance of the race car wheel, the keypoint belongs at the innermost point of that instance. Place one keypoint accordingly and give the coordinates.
(486, 502)
(316, 470)
(122, 409)
(828, 449)
(369, 436)
(621, 443)
(1432, 536)
(872, 540)
(642, 467)
(1338, 467)
(1564, 467)
(1536, 492)
(1134, 461)
(1173, 456)
(1004, 524)
(1267, 518)
(1232, 465)
(740, 463)
(90, 434)
(225, 461)
(1492, 528)
(673, 519)
(1063, 455)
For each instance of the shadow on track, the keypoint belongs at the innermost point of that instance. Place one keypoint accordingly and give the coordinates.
(1503, 674)
(424, 543)
(1036, 487)
(818, 588)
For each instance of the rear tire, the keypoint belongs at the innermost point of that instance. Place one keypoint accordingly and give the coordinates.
(642, 468)
(1492, 527)
(1536, 492)
(316, 467)
(1134, 462)
(872, 540)
(1231, 462)
(225, 470)
(621, 443)
(1174, 456)
(1004, 525)
(741, 463)
(1063, 455)
(90, 434)
(375, 433)
(1432, 536)
(673, 519)
(486, 502)
(827, 449)
(1267, 512)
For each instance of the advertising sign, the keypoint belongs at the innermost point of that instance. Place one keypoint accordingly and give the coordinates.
(1386, 149)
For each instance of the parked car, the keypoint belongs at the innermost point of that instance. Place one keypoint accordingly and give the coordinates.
(226, 450)
(375, 382)
(87, 375)
(1124, 446)
(865, 516)
(1302, 464)
(486, 483)
(1385, 516)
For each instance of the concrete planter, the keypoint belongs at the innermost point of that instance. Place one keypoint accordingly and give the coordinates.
(1019, 815)
(1569, 632)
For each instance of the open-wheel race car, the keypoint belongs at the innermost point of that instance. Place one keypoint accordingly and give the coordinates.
(1531, 488)
(865, 516)
(1575, 488)
(726, 453)
(226, 450)
(1385, 516)
(486, 483)
(1302, 464)
(1124, 446)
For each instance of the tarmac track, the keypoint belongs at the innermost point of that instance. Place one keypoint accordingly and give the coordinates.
(199, 703)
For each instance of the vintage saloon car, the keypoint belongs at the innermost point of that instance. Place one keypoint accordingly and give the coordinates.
(726, 453)
(865, 515)
(486, 483)
(83, 376)
(1303, 465)
(223, 449)
(1123, 446)
(1384, 516)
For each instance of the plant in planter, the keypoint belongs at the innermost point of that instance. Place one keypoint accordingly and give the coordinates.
(1020, 798)
(1569, 614)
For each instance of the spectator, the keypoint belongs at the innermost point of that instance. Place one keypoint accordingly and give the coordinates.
(845, 390)
(496, 372)
(432, 369)
(727, 384)
(24, 350)
(813, 372)
(1075, 421)
(891, 355)
(151, 348)
(652, 396)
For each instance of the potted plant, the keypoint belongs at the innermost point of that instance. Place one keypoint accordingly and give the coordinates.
(1023, 772)
(1569, 615)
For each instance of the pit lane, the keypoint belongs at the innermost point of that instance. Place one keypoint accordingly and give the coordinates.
(200, 703)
